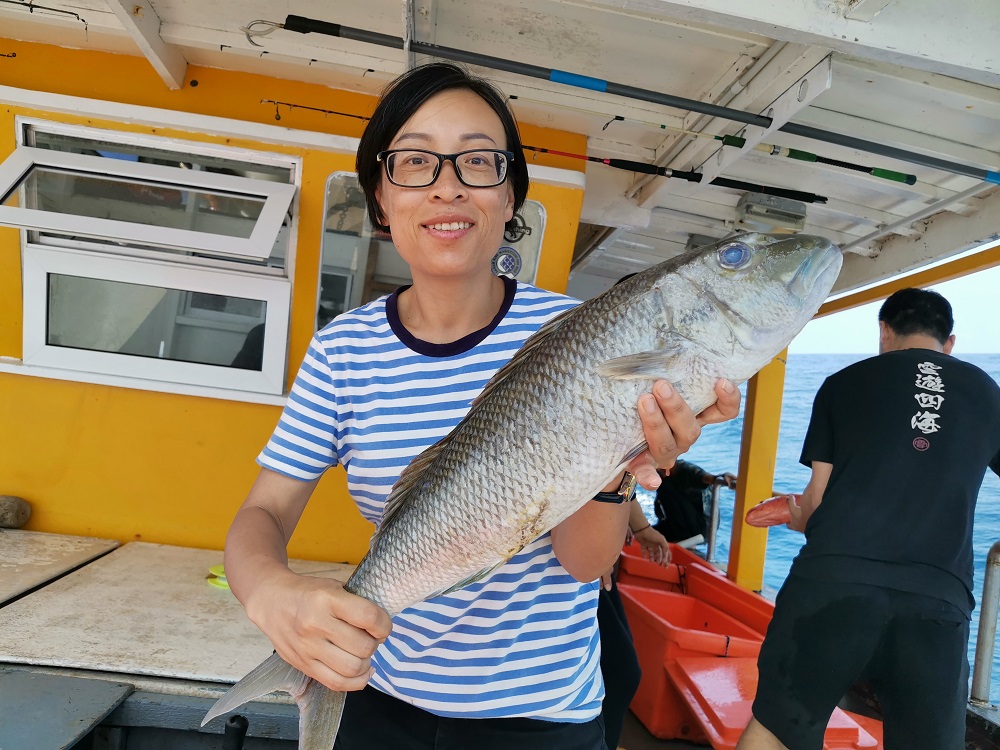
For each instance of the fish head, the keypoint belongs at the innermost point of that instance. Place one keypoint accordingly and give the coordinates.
(751, 294)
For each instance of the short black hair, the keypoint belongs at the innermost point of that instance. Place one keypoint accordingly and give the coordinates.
(911, 311)
(404, 96)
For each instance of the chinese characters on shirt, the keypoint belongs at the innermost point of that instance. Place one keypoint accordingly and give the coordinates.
(928, 379)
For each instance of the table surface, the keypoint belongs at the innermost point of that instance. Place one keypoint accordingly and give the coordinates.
(144, 609)
(31, 558)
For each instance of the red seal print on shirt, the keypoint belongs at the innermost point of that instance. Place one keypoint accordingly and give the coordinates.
(921, 443)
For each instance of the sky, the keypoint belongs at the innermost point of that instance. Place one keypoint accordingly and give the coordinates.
(975, 303)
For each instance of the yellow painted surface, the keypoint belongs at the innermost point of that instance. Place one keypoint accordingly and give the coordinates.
(562, 208)
(762, 417)
(127, 464)
(132, 465)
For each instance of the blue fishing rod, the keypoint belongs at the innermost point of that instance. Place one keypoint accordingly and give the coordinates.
(303, 25)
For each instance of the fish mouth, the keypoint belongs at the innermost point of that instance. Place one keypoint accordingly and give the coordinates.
(811, 275)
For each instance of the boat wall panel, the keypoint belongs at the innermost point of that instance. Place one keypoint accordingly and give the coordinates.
(126, 464)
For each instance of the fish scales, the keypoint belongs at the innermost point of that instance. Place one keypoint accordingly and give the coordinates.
(559, 422)
(548, 415)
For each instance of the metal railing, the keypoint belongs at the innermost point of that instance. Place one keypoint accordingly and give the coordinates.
(713, 519)
(986, 638)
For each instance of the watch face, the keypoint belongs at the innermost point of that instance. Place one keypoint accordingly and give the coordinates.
(627, 488)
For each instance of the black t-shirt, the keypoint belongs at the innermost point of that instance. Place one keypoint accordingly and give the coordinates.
(910, 434)
(680, 503)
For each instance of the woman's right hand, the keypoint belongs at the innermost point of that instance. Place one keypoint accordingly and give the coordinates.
(320, 628)
(313, 623)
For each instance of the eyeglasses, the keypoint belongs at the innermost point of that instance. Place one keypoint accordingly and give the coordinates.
(415, 168)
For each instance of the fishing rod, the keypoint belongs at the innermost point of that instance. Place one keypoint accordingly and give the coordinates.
(302, 25)
(653, 169)
(738, 142)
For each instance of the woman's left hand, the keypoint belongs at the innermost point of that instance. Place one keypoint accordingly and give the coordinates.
(671, 428)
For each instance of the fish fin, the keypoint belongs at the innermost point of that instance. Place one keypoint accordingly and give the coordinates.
(320, 711)
(477, 576)
(666, 363)
(274, 673)
(633, 453)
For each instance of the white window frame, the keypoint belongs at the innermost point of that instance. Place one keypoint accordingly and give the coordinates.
(275, 292)
(277, 199)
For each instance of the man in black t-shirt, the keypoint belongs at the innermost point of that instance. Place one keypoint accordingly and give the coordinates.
(898, 445)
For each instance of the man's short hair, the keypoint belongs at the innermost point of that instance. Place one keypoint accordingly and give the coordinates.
(912, 311)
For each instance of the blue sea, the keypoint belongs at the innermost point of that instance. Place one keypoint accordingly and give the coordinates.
(718, 450)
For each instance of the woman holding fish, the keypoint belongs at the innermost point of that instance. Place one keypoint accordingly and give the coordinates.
(507, 657)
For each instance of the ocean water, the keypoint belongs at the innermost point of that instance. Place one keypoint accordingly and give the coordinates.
(718, 451)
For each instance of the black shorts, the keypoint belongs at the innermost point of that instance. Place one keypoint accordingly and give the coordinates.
(376, 721)
(825, 636)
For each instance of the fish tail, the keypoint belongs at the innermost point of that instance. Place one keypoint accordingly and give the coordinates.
(274, 673)
(320, 708)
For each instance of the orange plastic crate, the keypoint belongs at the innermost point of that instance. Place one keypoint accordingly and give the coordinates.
(666, 625)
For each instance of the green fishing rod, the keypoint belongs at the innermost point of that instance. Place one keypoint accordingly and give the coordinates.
(653, 169)
(737, 142)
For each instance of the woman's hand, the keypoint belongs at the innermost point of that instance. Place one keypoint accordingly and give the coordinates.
(319, 628)
(313, 623)
(671, 428)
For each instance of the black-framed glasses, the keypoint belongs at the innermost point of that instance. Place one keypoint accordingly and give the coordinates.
(416, 168)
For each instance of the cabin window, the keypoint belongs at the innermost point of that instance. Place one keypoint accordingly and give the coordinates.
(359, 264)
(154, 321)
(152, 259)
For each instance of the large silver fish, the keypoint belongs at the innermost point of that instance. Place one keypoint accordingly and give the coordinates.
(559, 422)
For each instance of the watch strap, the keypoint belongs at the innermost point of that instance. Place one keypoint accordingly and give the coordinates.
(625, 492)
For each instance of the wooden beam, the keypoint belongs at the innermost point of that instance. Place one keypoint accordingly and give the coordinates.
(942, 236)
(141, 23)
(957, 40)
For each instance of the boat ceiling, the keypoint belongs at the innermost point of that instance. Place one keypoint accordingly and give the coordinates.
(912, 80)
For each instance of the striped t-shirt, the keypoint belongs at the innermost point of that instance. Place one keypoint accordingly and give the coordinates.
(524, 640)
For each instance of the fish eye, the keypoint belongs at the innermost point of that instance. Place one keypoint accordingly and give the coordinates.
(733, 255)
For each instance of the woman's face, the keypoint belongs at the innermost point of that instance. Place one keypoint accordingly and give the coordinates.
(448, 229)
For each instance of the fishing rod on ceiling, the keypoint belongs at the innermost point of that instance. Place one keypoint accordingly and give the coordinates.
(302, 25)
(738, 142)
(653, 169)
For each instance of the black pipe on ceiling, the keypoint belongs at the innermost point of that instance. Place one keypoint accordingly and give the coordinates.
(304, 25)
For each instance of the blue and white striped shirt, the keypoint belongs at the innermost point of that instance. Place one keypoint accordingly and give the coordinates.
(524, 640)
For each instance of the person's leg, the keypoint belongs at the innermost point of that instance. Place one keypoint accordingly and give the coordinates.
(757, 737)
(619, 663)
(819, 641)
(375, 721)
(518, 734)
(922, 676)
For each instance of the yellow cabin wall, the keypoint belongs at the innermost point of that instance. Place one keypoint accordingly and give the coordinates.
(130, 464)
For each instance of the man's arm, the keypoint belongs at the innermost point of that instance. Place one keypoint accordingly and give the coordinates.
(812, 496)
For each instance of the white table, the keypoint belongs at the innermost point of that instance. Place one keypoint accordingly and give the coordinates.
(32, 558)
(144, 609)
